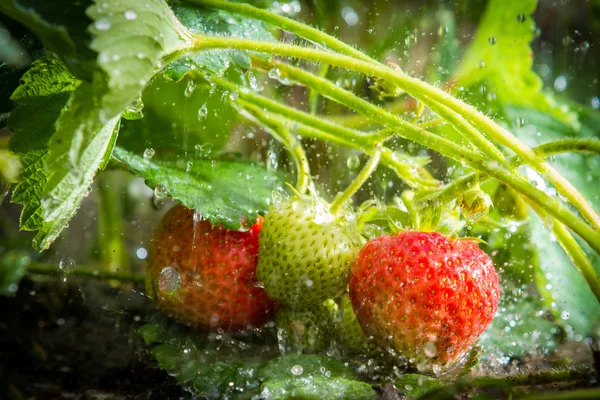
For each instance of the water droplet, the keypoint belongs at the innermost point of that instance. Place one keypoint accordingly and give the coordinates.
(565, 315)
(160, 191)
(253, 81)
(430, 349)
(297, 370)
(149, 153)
(234, 95)
(141, 253)
(202, 112)
(189, 90)
(353, 162)
(519, 122)
(350, 16)
(203, 150)
(521, 18)
(492, 40)
(258, 284)
(66, 265)
(130, 15)
(169, 280)
(279, 195)
(188, 166)
(560, 83)
(102, 24)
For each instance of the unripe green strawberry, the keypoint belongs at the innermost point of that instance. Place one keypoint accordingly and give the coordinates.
(307, 331)
(349, 331)
(424, 296)
(204, 275)
(305, 252)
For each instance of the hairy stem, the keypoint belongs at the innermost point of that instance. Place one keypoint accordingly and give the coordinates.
(357, 183)
(308, 32)
(333, 133)
(422, 91)
(281, 131)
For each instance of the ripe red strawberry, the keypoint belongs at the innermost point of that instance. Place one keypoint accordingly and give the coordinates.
(204, 275)
(424, 296)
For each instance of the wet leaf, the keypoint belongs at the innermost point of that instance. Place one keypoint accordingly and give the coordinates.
(44, 91)
(309, 365)
(416, 385)
(500, 57)
(316, 388)
(564, 289)
(222, 191)
(171, 121)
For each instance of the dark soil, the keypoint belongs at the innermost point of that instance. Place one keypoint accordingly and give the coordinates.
(77, 341)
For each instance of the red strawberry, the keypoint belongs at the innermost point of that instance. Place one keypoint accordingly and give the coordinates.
(424, 296)
(204, 275)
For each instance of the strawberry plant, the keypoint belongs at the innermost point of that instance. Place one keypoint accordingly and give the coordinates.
(349, 200)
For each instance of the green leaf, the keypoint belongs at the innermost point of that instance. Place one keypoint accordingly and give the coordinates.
(80, 146)
(317, 388)
(521, 326)
(171, 121)
(222, 191)
(205, 364)
(131, 38)
(44, 91)
(500, 56)
(61, 25)
(415, 385)
(215, 22)
(311, 365)
(560, 282)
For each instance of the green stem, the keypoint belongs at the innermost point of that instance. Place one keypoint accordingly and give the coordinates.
(422, 91)
(81, 271)
(313, 96)
(587, 145)
(442, 146)
(295, 27)
(357, 183)
(281, 131)
(328, 131)
(454, 189)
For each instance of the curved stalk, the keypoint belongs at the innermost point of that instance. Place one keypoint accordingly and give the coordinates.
(357, 183)
(422, 91)
(334, 133)
(298, 28)
(279, 130)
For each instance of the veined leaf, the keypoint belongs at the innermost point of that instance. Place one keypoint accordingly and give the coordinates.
(44, 91)
(215, 22)
(131, 39)
(500, 56)
(316, 388)
(222, 191)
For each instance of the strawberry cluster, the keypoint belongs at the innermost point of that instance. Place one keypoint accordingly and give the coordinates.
(419, 295)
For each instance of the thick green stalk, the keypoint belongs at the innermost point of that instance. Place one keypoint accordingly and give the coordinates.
(387, 118)
(298, 28)
(357, 183)
(334, 133)
(451, 150)
(420, 90)
(573, 250)
(282, 132)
